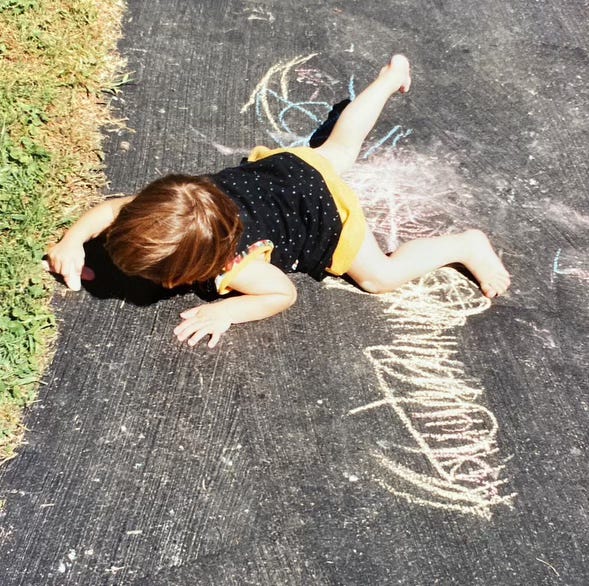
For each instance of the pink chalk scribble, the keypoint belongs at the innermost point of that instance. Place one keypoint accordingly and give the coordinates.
(317, 79)
(407, 195)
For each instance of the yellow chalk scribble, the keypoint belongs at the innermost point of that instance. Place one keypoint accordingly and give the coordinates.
(271, 95)
(423, 384)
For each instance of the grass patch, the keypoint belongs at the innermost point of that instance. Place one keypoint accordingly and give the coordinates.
(57, 60)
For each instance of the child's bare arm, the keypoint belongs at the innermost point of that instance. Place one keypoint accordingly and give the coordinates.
(266, 291)
(66, 258)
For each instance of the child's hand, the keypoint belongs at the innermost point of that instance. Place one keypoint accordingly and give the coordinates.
(201, 321)
(66, 258)
(266, 291)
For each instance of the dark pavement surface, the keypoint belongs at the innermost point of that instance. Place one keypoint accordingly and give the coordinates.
(423, 438)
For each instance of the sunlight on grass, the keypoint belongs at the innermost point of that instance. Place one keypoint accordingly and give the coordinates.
(57, 60)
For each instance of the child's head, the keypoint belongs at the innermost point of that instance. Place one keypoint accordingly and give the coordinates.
(178, 230)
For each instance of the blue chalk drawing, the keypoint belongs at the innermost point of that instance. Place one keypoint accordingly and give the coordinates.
(395, 132)
(315, 111)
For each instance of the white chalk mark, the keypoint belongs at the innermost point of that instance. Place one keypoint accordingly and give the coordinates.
(224, 150)
(549, 565)
(221, 148)
(259, 13)
(369, 406)
(542, 334)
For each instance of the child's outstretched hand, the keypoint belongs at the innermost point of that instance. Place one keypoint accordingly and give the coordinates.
(266, 291)
(66, 258)
(201, 321)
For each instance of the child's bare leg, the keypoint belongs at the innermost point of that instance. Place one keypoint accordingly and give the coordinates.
(358, 118)
(376, 272)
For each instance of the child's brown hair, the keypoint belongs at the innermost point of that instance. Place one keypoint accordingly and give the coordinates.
(178, 230)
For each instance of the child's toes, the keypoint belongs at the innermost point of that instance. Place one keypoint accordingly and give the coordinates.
(400, 63)
(502, 284)
(497, 286)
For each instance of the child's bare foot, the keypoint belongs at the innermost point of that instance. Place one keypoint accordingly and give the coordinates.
(482, 261)
(398, 71)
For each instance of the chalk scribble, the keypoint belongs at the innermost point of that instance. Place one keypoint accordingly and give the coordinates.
(292, 122)
(453, 455)
(452, 461)
(407, 195)
(571, 266)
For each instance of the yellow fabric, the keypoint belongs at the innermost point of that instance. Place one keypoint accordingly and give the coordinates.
(259, 250)
(346, 201)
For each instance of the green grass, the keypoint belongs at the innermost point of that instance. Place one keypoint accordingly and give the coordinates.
(57, 58)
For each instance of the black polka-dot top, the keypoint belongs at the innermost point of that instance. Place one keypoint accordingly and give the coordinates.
(285, 200)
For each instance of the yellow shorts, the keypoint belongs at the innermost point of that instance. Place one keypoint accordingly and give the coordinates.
(346, 201)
